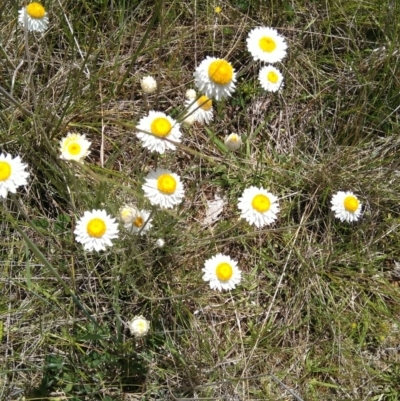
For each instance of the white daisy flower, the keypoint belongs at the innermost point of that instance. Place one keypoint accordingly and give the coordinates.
(222, 272)
(127, 213)
(140, 222)
(190, 94)
(163, 188)
(74, 147)
(270, 78)
(95, 230)
(33, 17)
(215, 77)
(201, 109)
(139, 326)
(155, 128)
(148, 84)
(346, 206)
(12, 174)
(266, 44)
(258, 206)
(233, 142)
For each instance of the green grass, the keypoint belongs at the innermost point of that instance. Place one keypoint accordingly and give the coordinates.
(316, 314)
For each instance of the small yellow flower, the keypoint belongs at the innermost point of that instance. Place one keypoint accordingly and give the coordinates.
(346, 206)
(222, 272)
(140, 223)
(154, 128)
(270, 78)
(215, 77)
(265, 44)
(74, 147)
(217, 9)
(233, 142)
(12, 174)
(258, 206)
(163, 188)
(33, 17)
(201, 109)
(95, 230)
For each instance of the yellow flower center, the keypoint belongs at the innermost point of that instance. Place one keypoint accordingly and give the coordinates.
(273, 77)
(350, 203)
(220, 72)
(138, 222)
(74, 148)
(35, 10)
(267, 44)
(96, 227)
(261, 203)
(5, 171)
(224, 271)
(234, 138)
(141, 326)
(166, 184)
(161, 127)
(204, 103)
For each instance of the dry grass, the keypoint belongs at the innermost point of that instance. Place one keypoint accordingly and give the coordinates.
(316, 315)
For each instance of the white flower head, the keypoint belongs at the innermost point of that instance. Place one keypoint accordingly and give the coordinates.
(258, 206)
(265, 44)
(188, 120)
(148, 84)
(33, 17)
(127, 213)
(12, 174)
(156, 130)
(139, 326)
(74, 147)
(163, 188)
(190, 94)
(141, 223)
(95, 230)
(222, 272)
(346, 206)
(215, 77)
(233, 142)
(201, 109)
(160, 243)
(270, 78)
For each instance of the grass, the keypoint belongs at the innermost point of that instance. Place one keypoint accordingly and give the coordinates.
(316, 314)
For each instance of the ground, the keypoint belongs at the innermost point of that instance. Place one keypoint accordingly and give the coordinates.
(315, 316)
